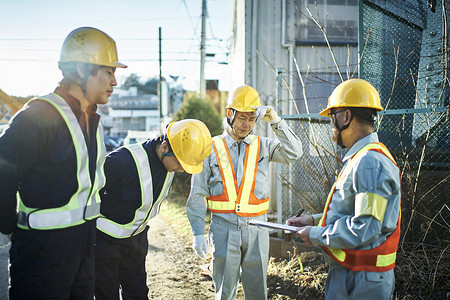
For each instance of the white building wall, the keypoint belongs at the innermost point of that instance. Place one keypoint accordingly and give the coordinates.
(237, 49)
(151, 117)
(265, 31)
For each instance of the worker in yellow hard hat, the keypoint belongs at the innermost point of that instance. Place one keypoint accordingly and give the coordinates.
(51, 156)
(138, 178)
(359, 228)
(358, 96)
(234, 180)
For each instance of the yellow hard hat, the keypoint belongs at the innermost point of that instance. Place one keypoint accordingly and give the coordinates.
(244, 98)
(353, 93)
(92, 46)
(190, 140)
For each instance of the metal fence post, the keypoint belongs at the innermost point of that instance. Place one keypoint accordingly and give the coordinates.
(279, 192)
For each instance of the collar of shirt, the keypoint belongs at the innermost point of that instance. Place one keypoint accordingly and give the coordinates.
(371, 138)
(150, 148)
(230, 141)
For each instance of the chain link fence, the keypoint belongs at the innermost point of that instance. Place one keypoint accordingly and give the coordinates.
(404, 53)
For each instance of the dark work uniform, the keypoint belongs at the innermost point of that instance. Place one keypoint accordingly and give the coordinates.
(121, 261)
(37, 159)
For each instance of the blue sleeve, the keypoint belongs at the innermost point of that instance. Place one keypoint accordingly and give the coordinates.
(196, 205)
(347, 231)
(21, 145)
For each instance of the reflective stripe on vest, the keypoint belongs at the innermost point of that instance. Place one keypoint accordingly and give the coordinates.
(241, 201)
(379, 259)
(147, 210)
(85, 202)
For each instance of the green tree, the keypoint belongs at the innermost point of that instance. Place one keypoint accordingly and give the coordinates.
(151, 86)
(200, 109)
(148, 87)
(132, 80)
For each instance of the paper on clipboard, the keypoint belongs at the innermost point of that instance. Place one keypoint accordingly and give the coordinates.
(273, 225)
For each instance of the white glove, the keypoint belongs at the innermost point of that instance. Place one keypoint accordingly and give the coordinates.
(267, 113)
(5, 239)
(200, 245)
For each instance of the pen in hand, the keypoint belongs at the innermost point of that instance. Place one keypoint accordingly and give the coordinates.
(288, 234)
(300, 212)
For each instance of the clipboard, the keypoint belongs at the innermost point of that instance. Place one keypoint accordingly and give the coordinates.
(273, 225)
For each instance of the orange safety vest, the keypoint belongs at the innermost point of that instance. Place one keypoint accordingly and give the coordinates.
(379, 259)
(242, 200)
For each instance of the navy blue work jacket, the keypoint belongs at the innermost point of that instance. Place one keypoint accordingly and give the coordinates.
(121, 196)
(37, 157)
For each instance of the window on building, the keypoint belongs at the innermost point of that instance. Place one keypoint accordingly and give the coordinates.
(338, 17)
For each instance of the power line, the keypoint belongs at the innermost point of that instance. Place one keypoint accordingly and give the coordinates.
(133, 59)
(195, 28)
(124, 39)
(214, 38)
(100, 22)
(189, 16)
(123, 51)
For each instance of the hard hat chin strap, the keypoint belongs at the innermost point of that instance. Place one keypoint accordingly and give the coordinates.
(84, 80)
(339, 138)
(76, 73)
(231, 113)
(168, 153)
(164, 155)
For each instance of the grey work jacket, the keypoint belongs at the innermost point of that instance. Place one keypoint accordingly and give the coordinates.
(374, 173)
(285, 149)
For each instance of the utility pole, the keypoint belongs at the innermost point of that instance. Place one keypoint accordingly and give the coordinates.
(160, 83)
(202, 51)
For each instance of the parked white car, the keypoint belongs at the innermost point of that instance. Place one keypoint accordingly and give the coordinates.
(136, 136)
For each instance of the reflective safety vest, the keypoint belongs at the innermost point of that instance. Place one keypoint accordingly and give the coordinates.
(85, 202)
(241, 201)
(147, 210)
(379, 259)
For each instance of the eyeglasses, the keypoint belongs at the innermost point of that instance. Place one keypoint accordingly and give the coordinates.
(332, 115)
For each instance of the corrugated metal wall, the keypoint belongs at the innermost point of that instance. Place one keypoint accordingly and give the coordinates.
(268, 35)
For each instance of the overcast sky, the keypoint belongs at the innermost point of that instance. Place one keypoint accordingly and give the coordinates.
(32, 32)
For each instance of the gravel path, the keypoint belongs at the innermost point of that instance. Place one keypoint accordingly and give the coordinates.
(4, 277)
(173, 269)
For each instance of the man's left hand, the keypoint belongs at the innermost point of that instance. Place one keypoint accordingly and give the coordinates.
(303, 234)
(267, 113)
(301, 221)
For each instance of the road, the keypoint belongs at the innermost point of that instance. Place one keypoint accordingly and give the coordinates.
(173, 269)
(4, 278)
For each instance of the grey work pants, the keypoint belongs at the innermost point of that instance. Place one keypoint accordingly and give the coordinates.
(343, 283)
(239, 252)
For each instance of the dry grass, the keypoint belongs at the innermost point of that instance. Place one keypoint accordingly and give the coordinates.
(300, 277)
(422, 273)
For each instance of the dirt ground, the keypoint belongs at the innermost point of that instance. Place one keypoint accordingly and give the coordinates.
(4, 275)
(173, 268)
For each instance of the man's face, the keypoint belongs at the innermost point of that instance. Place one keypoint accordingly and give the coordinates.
(336, 117)
(243, 124)
(170, 162)
(100, 86)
